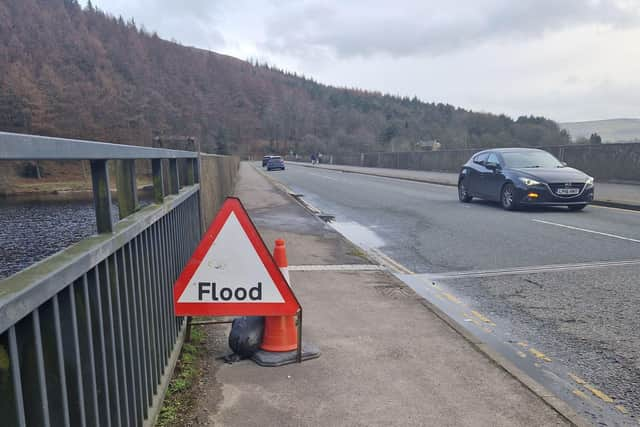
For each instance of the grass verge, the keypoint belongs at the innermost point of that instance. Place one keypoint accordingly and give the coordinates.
(179, 399)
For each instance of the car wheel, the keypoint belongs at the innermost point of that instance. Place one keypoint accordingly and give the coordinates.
(575, 208)
(507, 197)
(463, 192)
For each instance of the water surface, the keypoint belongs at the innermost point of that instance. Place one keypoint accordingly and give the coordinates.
(33, 230)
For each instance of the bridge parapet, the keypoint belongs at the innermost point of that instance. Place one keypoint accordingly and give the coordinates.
(88, 335)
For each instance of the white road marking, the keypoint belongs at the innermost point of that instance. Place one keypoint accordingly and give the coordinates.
(586, 230)
(324, 176)
(531, 269)
(338, 267)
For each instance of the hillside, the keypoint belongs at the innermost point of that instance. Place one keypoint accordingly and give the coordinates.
(71, 72)
(613, 130)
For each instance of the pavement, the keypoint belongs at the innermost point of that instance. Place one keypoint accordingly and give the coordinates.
(623, 195)
(387, 358)
(558, 290)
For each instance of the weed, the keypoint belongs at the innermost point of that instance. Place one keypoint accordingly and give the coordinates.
(178, 398)
(357, 252)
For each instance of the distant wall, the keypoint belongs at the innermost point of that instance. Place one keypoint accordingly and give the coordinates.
(605, 161)
(608, 162)
(217, 180)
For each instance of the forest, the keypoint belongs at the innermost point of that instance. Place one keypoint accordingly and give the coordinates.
(79, 72)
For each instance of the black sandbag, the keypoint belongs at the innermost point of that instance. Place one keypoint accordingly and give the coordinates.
(246, 335)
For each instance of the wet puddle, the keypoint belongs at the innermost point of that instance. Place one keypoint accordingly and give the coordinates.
(358, 234)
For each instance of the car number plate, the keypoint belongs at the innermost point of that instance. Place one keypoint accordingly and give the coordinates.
(568, 191)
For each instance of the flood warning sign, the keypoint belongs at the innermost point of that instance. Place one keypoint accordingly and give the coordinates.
(232, 272)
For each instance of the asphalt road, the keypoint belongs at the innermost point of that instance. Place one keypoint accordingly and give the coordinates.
(565, 282)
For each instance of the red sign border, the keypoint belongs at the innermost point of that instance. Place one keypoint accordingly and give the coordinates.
(290, 306)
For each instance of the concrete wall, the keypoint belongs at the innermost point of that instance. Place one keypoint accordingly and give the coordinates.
(608, 162)
(217, 179)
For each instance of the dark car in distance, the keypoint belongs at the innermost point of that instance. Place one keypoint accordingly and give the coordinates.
(265, 160)
(518, 177)
(275, 162)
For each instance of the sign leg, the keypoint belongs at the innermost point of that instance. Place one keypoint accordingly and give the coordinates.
(187, 337)
(299, 355)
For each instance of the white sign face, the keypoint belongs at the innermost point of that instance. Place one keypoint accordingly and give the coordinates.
(231, 272)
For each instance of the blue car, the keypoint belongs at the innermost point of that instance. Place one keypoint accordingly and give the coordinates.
(518, 177)
(274, 163)
(265, 160)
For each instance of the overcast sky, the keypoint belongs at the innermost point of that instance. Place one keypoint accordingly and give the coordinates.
(569, 60)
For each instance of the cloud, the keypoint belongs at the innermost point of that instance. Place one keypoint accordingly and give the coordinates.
(405, 28)
(193, 23)
(567, 59)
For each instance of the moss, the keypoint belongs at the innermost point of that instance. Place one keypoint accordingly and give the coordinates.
(4, 359)
(357, 252)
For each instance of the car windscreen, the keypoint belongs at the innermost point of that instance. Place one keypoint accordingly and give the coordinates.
(530, 159)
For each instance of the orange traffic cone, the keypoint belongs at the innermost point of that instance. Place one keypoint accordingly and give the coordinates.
(280, 332)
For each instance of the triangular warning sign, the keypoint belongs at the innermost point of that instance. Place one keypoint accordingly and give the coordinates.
(232, 273)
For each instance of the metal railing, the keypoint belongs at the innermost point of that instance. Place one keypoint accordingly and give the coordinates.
(88, 336)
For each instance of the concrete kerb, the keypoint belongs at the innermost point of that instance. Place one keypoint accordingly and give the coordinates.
(558, 405)
(426, 181)
(287, 191)
(607, 203)
(617, 205)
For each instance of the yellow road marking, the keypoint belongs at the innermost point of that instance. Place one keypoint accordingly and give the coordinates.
(580, 394)
(392, 262)
(476, 322)
(451, 298)
(539, 354)
(622, 409)
(482, 317)
(599, 394)
(577, 378)
(523, 344)
(521, 354)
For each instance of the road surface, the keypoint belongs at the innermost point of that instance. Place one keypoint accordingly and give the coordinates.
(561, 289)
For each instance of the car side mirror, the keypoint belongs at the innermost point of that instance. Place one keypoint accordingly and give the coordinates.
(492, 165)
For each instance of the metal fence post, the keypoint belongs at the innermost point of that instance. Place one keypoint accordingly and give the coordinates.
(174, 177)
(196, 168)
(101, 195)
(191, 171)
(158, 180)
(127, 188)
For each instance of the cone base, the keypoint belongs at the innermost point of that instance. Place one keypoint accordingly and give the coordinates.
(272, 359)
(279, 348)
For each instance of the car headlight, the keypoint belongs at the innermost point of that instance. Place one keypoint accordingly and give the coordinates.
(589, 181)
(528, 181)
